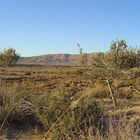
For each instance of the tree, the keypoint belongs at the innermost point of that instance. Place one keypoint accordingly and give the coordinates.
(109, 64)
(122, 56)
(8, 57)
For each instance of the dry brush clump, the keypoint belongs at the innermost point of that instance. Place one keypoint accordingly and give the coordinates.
(19, 107)
(79, 120)
(15, 108)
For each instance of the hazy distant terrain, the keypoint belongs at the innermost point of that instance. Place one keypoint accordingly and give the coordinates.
(54, 59)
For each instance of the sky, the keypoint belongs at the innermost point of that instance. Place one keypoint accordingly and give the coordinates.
(37, 27)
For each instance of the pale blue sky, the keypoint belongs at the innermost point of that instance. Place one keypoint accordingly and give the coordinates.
(36, 27)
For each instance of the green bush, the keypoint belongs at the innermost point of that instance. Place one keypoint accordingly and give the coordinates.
(8, 57)
(100, 68)
(122, 56)
(110, 64)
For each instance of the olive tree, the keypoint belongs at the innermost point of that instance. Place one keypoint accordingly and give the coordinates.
(8, 57)
(122, 56)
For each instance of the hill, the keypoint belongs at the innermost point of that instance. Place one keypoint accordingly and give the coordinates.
(54, 59)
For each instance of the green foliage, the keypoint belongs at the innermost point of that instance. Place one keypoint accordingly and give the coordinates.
(122, 56)
(101, 68)
(8, 57)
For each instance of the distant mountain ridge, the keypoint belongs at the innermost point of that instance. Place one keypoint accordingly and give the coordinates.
(54, 59)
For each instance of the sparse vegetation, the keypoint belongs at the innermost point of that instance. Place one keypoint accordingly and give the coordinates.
(72, 103)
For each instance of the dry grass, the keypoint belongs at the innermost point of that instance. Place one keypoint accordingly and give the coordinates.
(36, 97)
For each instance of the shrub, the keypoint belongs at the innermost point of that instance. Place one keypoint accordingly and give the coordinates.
(109, 64)
(122, 56)
(78, 121)
(8, 57)
(100, 68)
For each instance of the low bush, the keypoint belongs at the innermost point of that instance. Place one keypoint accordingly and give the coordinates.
(8, 57)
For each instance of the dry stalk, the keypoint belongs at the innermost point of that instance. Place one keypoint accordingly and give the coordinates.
(112, 94)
